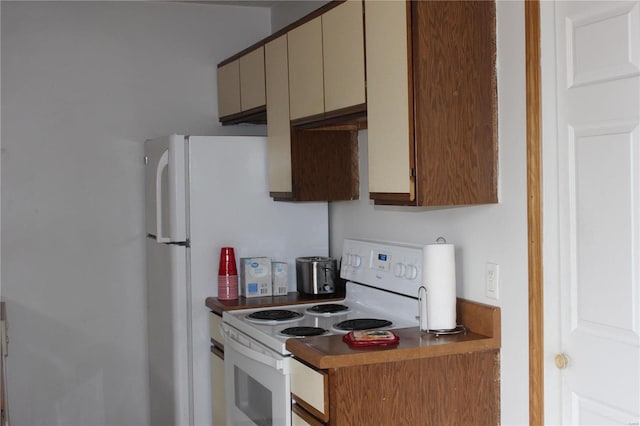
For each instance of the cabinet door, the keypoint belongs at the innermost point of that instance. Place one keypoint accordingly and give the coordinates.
(229, 89)
(252, 82)
(306, 87)
(218, 399)
(389, 115)
(278, 125)
(454, 73)
(343, 56)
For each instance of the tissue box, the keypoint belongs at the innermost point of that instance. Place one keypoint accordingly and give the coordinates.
(279, 274)
(255, 276)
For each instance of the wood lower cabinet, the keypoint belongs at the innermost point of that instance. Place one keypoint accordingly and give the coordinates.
(462, 389)
(431, 102)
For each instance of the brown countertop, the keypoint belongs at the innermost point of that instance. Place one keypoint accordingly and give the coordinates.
(218, 306)
(483, 333)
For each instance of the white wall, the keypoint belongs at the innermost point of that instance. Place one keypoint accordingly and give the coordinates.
(488, 233)
(83, 85)
(285, 13)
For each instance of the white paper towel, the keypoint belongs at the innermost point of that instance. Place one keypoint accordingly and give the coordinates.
(439, 277)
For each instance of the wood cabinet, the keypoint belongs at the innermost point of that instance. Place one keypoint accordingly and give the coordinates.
(325, 164)
(241, 88)
(216, 358)
(431, 102)
(309, 162)
(423, 380)
(451, 389)
(278, 124)
(326, 63)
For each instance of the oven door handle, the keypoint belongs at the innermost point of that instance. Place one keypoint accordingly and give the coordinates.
(251, 353)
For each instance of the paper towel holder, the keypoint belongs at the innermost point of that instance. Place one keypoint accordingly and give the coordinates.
(424, 317)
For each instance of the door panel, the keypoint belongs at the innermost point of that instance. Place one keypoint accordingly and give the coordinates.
(306, 83)
(252, 92)
(343, 56)
(278, 125)
(597, 146)
(390, 136)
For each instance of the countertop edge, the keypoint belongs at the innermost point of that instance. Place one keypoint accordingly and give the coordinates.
(305, 350)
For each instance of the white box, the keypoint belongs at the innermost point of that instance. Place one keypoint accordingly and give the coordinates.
(279, 275)
(255, 277)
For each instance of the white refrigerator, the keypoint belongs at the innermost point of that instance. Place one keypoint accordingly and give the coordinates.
(204, 193)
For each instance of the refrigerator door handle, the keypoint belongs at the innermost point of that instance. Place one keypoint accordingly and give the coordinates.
(163, 163)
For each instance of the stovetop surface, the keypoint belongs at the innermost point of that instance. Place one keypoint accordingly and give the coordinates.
(399, 310)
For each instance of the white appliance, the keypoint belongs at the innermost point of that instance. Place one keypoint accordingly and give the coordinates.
(383, 281)
(203, 193)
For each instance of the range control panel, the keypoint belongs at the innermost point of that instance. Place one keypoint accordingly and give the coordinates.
(390, 266)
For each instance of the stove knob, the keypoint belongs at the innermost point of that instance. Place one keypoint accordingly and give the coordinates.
(353, 260)
(411, 273)
(399, 270)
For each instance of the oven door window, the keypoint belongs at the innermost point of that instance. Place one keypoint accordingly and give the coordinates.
(252, 398)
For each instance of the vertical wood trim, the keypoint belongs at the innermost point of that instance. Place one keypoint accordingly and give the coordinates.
(534, 211)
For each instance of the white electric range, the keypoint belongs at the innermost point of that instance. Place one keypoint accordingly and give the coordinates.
(383, 280)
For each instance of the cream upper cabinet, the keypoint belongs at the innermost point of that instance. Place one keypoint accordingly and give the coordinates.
(343, 56)
(326, 62)
(306, 86)
(229, 89)
(388, 114)
(252, 80)
(241, 84)
(278, 125)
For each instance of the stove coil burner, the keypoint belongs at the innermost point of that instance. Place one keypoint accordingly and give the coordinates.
(303, 331)
(329, 308)
(362, 324)
(275, 315)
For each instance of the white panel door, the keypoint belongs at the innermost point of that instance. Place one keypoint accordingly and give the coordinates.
(592, 220)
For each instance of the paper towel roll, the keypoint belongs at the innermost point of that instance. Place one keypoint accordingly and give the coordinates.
(439, 277)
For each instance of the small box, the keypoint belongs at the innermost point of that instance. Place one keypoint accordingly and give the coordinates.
(279, 275)
(255, 276)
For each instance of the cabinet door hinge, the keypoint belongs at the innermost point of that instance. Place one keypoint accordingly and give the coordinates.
(413, 172)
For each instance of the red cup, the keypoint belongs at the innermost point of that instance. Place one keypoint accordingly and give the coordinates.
(227, 275)
(227, 262)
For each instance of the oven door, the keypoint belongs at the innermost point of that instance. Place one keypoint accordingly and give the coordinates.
(257, 382)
